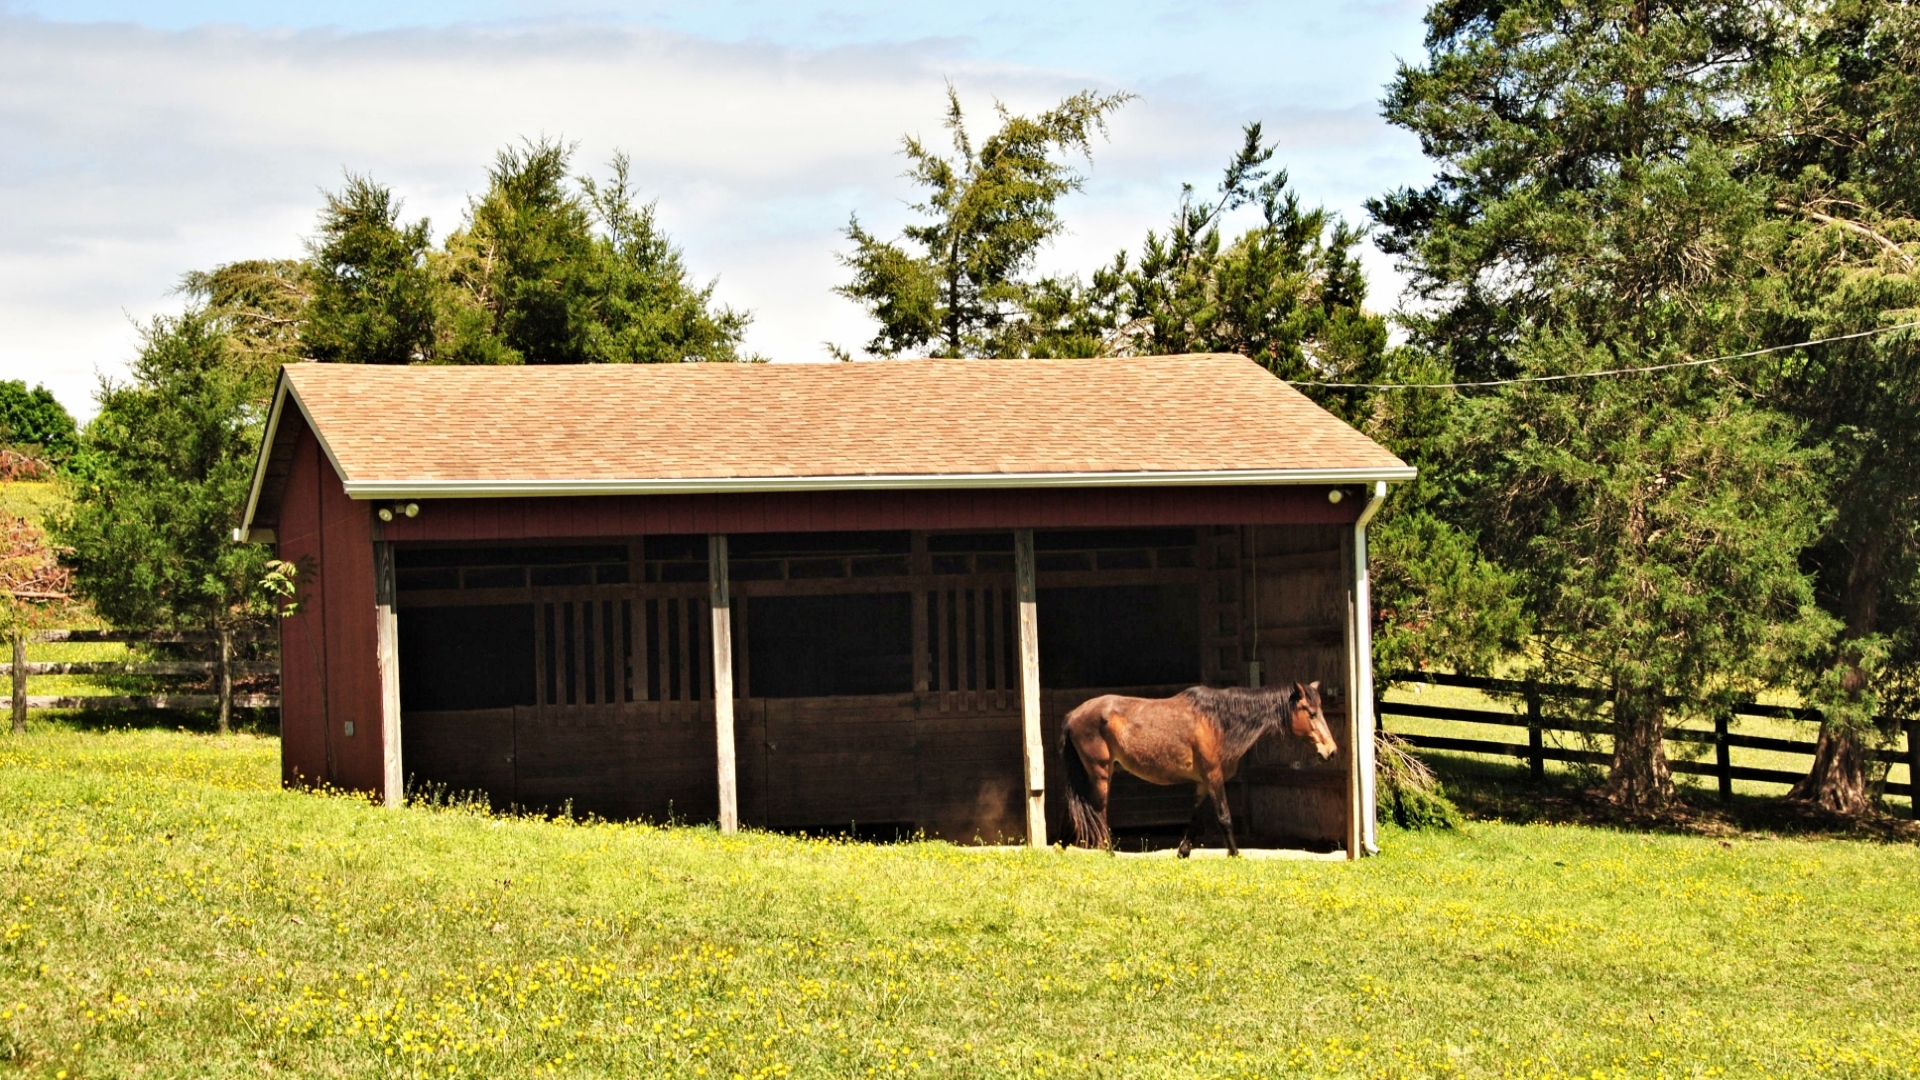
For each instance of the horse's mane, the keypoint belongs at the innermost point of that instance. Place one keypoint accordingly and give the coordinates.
(1243, 714)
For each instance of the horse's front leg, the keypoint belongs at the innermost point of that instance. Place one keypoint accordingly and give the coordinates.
(1217, 791)
(1193, 822)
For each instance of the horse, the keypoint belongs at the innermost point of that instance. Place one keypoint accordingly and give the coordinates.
(1196, 736)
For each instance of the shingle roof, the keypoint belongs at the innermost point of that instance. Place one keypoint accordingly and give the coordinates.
(421, 431)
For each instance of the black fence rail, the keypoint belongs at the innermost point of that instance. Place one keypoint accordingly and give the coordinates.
(221, 670)
(1537, 724)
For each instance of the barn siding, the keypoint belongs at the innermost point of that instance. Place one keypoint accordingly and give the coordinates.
(303, 661)
(860, 511)
(328, 648)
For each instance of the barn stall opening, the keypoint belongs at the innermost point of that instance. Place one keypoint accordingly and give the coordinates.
(812, 596)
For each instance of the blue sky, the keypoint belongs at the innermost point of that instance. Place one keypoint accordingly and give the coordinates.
(147, 139)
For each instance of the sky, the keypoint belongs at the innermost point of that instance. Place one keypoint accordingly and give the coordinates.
(142, 140)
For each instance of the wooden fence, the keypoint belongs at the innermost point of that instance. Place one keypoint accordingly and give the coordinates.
(222, 670)
(1537, 723)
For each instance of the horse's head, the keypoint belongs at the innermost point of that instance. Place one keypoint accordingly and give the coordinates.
(1306, 721)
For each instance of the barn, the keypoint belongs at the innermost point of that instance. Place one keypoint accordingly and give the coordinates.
(812, 596)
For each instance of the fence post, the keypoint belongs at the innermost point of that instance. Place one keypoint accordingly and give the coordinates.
(20, 684)
(1536, 738)
(223, 678)
(1913, 768)
(1723, 757)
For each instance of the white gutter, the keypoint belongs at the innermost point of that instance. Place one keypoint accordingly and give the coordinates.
(494, 489)
(1366, 721)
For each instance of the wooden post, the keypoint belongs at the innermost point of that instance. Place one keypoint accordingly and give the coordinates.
(1536, 735)
(1355, 830)
(1723, 757)
(393, 777)
(1913, 763)
(1033, 754)
(20, 684)
(722, 605)
(223, 679)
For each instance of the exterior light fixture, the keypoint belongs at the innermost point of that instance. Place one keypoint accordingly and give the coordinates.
(413, 510)
(386, 513)
(1335, 495)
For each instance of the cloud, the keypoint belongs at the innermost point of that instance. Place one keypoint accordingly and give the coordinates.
(138, 154)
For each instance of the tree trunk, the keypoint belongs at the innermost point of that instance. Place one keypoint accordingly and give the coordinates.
(1838, 779)
(1639, 780)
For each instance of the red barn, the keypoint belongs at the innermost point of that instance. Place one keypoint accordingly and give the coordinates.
(811, 596)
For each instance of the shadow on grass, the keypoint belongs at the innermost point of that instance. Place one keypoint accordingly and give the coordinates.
(194, 721)
(1499, 791)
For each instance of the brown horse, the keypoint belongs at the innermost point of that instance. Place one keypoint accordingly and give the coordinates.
(1197, 736)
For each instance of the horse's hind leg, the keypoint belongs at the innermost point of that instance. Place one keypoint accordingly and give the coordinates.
(1193, 822)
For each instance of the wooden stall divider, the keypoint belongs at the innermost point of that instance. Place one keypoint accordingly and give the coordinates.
(1031, 749)
(722, 606)
(393, 777)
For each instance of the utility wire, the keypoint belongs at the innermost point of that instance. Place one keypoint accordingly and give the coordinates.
(1599, 374)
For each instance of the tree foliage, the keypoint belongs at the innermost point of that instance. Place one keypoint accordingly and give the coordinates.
(372, 296)
(958, 282)
(160, 481)
(34, 418)
(1591, 212)
(1840, 114)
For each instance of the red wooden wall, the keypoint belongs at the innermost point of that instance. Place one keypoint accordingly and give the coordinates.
(327, 648)
(859, 511)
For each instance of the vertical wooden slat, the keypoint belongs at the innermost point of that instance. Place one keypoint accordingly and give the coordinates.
(722, 610)
(657, 652)
(977, 682)
(943, 646)
(387, 660)
(629, 660)
(922, 670)
(589, 660)
(576, 694)
(1034, 757)
(684, 621)
(540, 694)
(990, 662)
(742, 656)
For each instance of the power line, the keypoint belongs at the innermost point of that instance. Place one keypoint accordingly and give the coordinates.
(1600, 374)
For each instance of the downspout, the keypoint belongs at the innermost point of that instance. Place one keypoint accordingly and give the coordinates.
(1363, 690)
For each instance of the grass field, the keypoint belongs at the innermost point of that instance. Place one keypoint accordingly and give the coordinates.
(165, 910)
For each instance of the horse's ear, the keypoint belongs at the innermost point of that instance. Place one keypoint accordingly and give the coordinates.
(1315, 685)
(1299, 691)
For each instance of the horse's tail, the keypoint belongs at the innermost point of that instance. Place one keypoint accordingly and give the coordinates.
(1089, 823)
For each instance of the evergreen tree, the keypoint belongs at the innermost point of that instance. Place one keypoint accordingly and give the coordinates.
(958, 282)
(372, 294)
(1590, 213)
(160, 481)
(647, 310)
(1840, 114)
(547, 270)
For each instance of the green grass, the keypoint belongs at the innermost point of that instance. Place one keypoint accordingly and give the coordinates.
(32, 500)
(166, 910)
